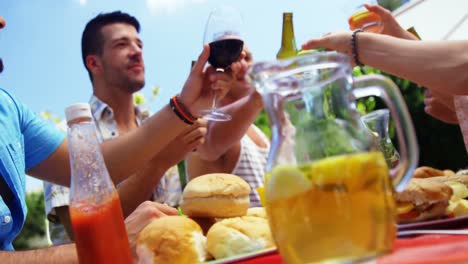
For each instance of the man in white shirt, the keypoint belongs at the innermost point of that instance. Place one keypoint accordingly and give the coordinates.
(112, 54)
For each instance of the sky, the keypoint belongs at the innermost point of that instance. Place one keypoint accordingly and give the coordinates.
(40, 45)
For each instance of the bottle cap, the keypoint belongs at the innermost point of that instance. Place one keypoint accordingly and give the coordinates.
(78, 110)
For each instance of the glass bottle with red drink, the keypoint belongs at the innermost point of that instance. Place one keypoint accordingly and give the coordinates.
(96, 215)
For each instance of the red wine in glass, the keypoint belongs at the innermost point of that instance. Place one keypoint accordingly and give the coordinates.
(224, 52)
(223, 34)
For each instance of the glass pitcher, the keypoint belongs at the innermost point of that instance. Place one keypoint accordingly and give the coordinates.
(328, 193)
(377, 122)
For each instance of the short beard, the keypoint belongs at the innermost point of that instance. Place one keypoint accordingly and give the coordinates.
(135, 86)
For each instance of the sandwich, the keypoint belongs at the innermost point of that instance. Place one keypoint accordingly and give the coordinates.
(422, 199)
(239, 235)
(171, 239)
(216, 195)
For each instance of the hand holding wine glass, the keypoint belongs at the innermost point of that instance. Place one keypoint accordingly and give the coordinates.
(222, 33)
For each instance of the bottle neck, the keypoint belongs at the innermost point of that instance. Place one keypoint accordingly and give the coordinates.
(288, 41)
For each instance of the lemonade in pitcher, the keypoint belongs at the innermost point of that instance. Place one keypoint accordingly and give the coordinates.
(338, 204)
(328, 189)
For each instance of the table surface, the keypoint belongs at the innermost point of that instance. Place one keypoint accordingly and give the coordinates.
(412, 250)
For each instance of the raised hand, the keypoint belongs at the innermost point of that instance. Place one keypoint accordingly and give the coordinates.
(391, 26)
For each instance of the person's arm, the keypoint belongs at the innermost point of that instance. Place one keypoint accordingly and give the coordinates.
(58, 254)
(440, 65)
(222, 136)
(437, 109)
(139, 187)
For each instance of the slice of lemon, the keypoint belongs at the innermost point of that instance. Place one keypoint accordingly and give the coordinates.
(286, 181)
(261, 193)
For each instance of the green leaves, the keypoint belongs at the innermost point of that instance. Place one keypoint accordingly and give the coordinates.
(35, 226)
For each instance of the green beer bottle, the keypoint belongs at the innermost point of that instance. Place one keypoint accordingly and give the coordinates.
(288, 42)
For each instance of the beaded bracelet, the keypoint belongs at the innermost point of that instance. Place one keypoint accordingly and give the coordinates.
(181, 111)
(354, 47)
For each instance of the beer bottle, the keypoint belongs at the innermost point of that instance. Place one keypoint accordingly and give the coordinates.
(288, 42)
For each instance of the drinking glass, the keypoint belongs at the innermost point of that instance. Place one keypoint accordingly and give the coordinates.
(223, 34)
(377, 123)
(361, 18)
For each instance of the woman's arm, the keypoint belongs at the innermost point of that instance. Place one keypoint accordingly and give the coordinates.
(440, 65)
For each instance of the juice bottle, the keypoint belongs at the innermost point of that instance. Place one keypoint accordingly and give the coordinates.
(96, 215)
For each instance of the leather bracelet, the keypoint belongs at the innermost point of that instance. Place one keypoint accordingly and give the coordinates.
(184, 109)
(179, 113)
(354, 47)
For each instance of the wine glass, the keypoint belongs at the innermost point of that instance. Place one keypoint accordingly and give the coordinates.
(222, 33)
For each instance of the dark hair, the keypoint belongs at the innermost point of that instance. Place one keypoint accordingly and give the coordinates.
(92, 40)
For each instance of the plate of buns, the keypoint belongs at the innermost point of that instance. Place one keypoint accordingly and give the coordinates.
(433, 199)
(217, 226)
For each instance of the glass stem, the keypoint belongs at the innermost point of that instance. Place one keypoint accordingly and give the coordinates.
(213, 105)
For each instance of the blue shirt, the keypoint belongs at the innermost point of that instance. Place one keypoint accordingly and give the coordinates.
(25, 141)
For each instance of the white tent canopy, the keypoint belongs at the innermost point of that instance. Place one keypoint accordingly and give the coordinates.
(435, 19)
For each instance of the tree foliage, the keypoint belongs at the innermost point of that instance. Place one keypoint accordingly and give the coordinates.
(35, 224)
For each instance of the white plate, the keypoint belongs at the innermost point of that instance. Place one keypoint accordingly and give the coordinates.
(447, 223)
(240, 257)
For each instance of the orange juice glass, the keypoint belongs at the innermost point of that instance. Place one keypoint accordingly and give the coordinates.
(365, 20)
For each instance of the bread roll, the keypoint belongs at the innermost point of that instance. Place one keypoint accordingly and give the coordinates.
(216, 195)
(258, 212)
(171, 239)
(426, 172)
(238, 235)
(456, 178)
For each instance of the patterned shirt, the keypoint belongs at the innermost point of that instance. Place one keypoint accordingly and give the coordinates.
(251, 164)
(168, 190)
(461, 107)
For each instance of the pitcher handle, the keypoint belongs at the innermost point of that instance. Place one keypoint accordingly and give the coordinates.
(380, 86)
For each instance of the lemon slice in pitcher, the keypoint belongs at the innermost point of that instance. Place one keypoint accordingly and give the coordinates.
(285, 181)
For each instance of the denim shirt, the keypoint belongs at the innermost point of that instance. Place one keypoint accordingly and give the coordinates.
(25, 141)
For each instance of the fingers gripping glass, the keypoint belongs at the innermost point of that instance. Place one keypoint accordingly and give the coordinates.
(222, 33)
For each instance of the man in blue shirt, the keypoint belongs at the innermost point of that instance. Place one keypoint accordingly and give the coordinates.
(29, 144)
